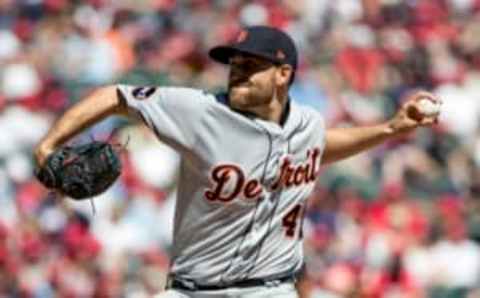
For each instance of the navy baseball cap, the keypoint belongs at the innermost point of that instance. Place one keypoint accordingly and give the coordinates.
(265, 42)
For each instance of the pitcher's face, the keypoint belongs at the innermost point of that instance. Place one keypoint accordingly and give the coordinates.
(252, 81)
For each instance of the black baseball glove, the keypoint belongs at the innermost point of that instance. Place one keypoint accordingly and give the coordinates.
(81, 172)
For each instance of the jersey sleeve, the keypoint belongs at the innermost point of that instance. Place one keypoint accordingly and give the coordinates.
(172, 113)
(319, 128)
(322, 128)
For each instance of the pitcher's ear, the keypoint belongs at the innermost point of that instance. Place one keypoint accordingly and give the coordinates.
(284, 74)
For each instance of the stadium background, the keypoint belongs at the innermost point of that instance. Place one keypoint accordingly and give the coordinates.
(402, 220)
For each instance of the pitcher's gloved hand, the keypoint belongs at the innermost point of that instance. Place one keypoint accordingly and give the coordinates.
(81, 172)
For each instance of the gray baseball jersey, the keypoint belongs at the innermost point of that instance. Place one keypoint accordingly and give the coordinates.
(243, 182)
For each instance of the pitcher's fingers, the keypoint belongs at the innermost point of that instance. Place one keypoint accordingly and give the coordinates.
(426, 121)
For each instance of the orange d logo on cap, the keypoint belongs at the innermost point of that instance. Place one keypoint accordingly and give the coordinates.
(242, 36)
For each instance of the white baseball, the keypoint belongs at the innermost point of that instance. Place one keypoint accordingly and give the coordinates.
(428, 107)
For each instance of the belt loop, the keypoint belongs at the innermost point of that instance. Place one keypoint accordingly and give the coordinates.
(272, 283)
(169, 282)
(189, 284)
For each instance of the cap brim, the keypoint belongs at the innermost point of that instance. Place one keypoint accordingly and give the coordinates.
(222, 54)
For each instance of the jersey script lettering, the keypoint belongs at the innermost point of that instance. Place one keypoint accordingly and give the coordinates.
(229, 180)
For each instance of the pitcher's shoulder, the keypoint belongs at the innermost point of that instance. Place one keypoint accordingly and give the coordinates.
(202, 96)
(193, 93)
(308, 112)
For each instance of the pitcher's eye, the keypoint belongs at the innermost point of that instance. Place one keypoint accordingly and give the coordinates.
(250, 65)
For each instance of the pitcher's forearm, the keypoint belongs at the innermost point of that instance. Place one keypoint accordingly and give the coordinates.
(345, 142)
(100, 104)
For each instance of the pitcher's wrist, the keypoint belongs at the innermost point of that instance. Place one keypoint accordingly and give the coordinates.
(41, 153)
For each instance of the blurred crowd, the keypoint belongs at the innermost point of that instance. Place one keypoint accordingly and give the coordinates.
(402, 220)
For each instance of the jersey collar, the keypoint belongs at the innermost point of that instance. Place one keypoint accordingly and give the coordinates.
(223, 99)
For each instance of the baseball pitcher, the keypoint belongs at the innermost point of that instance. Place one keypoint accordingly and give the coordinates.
(250, 159)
